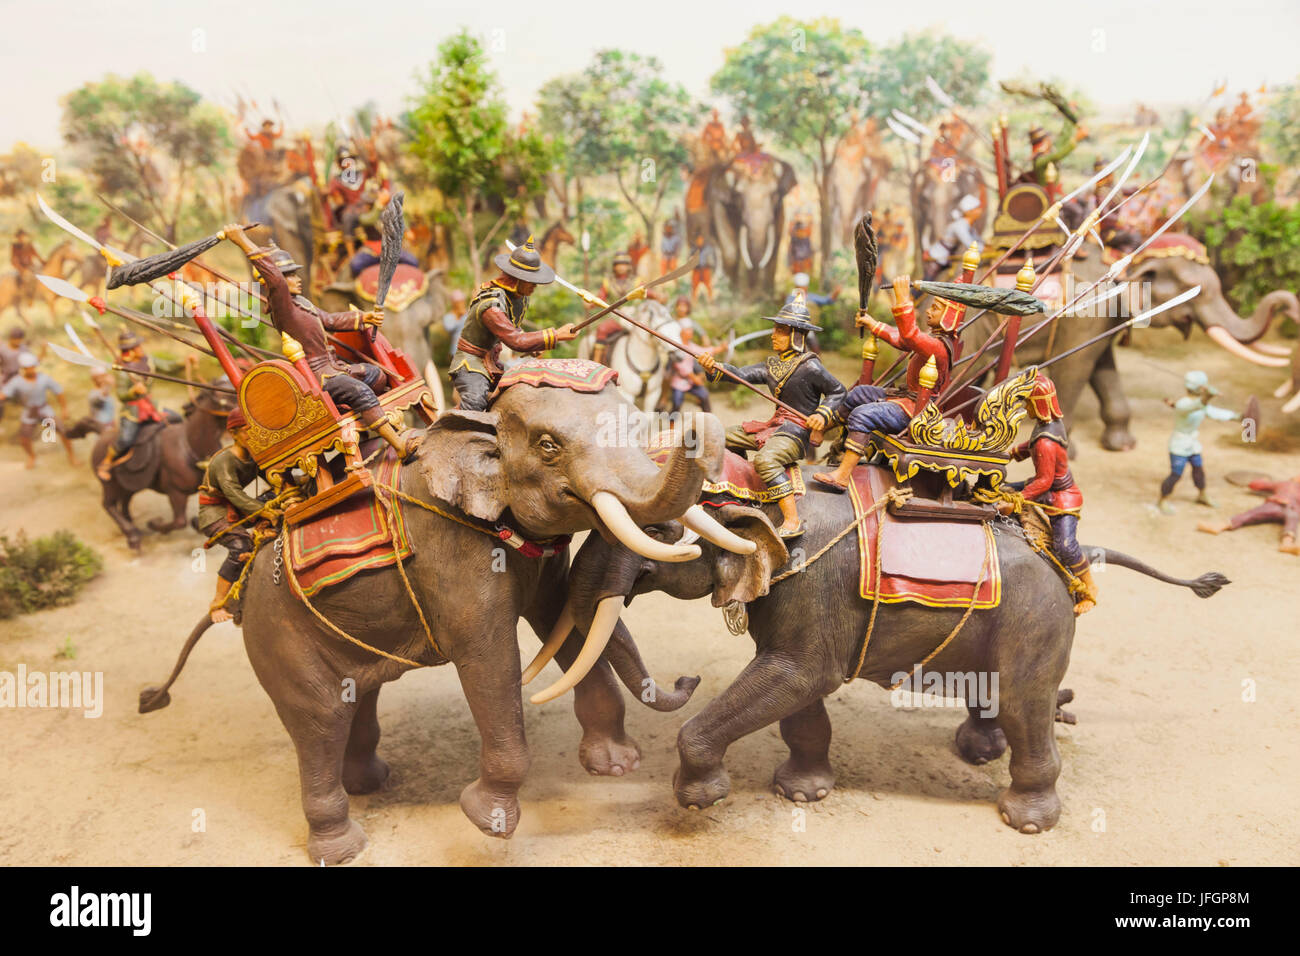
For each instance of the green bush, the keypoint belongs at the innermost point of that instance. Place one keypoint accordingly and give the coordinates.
(43, 573)
(1255, 248)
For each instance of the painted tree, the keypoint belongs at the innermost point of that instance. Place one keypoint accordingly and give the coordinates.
(803, 80)
(486, 171)
(143, 143)
(900, 71)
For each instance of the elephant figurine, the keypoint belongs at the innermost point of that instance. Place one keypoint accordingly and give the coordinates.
(1179, 266)
(745, 213)
(935, 192)
(539, 463)
(406, 328)
(808, 632)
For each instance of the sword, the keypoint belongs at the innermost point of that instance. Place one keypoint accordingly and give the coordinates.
(77, 358)
(67, 290)
(639, 291)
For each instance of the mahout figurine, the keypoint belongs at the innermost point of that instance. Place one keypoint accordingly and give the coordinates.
(796, 376)
(1282, 507)
(1185, 440)
(496, 315)
(225, 507)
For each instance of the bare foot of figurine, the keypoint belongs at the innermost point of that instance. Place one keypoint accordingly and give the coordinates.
(1030, 812)
(1166, 508)
(980, 740)
(31, 463)
(1204, 499)
(1288, 545)
(496, 814)
(220, 615)
(602, 756)
(333, 848)
(803, 784)
(1212, 527)
(364, 775)
(697, 793)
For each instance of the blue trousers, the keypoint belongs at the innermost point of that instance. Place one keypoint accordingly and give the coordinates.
(866, 409)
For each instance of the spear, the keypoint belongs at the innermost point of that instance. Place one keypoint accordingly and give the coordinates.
(67, 290)
(640, 291)
(682, 346)
(78, 359)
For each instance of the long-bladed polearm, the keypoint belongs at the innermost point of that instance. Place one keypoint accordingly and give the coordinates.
(680, 346)
(67, 290)
(76, 358)
(637, 292)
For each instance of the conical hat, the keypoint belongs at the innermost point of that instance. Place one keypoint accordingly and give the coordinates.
(525, 263)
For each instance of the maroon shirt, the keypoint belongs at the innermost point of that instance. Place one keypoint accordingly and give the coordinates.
(302, 320)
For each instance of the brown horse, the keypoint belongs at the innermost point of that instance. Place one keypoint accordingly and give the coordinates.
(62, 262)
(165, 458)
(552, 239)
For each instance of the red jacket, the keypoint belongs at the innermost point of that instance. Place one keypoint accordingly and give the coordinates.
(909, 337)
(1052, 483)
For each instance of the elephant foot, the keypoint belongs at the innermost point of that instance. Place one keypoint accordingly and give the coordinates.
(697, 793)
(803, 784)
(603, 756)
(495, 814)
(364, 776)
(1030, 812)
(1117, 438)
(979, 741)
(337, 846)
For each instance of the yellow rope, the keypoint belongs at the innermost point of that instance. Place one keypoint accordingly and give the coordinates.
(898, 494)
(390, 508)
(875, 603)
(960, 624)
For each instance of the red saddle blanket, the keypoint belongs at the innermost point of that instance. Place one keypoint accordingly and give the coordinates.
(353, 536)
(932, 562)
(738, 481)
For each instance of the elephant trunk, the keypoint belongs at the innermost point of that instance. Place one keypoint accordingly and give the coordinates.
(625, 658)
(660, 494)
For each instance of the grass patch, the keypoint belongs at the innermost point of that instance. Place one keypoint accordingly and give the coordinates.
(47, 572)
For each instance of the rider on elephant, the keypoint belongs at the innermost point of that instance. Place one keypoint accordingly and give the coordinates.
(869, 408)
(133, 393)
(1053, 487)
(346, 186)
(496, 317)
(959, 234)
(364, 224)
(223, 504)
(292, 314)
(1046, 160)
(797, 377)
(1113, 234)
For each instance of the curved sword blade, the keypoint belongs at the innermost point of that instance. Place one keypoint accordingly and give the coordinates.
(62, 287)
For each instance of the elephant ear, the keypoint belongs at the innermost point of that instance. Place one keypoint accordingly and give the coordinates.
(787, 180)
(745, 578)
(461, 463)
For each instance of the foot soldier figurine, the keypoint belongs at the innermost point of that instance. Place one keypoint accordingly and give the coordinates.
(292, 314)
(873, 408)
(223, 503)
(1185, 440)
(1282, 507)
(31, 388)
(1053, 487)
(136, 406)
(797, 377)
(496, 314)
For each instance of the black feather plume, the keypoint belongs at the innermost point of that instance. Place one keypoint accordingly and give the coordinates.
(864, 249)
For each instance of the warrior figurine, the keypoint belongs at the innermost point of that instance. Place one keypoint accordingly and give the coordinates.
(223, 504)
(619, 283)
(1046, 160)
(136, 405)
(670, 247)
(801, 245)
(797, 377)
(496, 314)
(1053, 487)
(873, 408)
(31, 388)
(959, 234)
(1185, 440)
(11, 353)
(292, 314)
(702, 274)
(1282, 507)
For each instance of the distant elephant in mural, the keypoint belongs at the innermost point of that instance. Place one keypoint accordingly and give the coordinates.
(745, 204)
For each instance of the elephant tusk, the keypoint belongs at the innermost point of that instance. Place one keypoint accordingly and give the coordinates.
(771, 243)
(710, 529)
(1283, 390)
(1292, 405)
(602, 628)
(559, 633)
(1271, 348)
(744, 247)
(621, 525)
(1223, 338)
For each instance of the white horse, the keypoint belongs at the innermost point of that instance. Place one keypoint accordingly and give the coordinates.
(639, 358)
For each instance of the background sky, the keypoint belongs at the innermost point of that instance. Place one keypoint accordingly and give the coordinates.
(321, 59)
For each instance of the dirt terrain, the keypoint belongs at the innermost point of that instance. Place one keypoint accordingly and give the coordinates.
(1168, 763)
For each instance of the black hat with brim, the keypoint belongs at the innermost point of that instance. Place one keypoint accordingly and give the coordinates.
(524, 263)
(794, 314)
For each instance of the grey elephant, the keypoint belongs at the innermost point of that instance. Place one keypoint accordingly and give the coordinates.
(535, 463)
(288, 210)
(808, 632)
(406, 327)
(1151, 279)
(746, 216)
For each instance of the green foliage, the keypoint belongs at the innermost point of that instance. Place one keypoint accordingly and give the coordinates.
(43, 573)
(141, 140)
(961, 68)
(67, 651)
(1254, 248)
(1281, 126)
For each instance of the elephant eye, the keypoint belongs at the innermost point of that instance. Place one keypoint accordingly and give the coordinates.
(548, 445)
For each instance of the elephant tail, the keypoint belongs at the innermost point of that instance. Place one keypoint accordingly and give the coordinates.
(156, 698)
(1207, 585)
(624, 657)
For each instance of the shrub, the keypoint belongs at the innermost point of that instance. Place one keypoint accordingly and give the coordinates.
(43, 573)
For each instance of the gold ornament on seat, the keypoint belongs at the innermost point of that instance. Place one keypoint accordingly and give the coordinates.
(291, 348)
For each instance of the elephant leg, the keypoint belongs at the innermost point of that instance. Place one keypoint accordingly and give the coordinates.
(363, 771)
(490, 680)
(768, 689)
(1031, 804)
(1115, 414)
(806, 774)
(980, 739)
(605, 749)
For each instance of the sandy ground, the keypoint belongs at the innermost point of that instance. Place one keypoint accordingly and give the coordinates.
(1168, 764)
